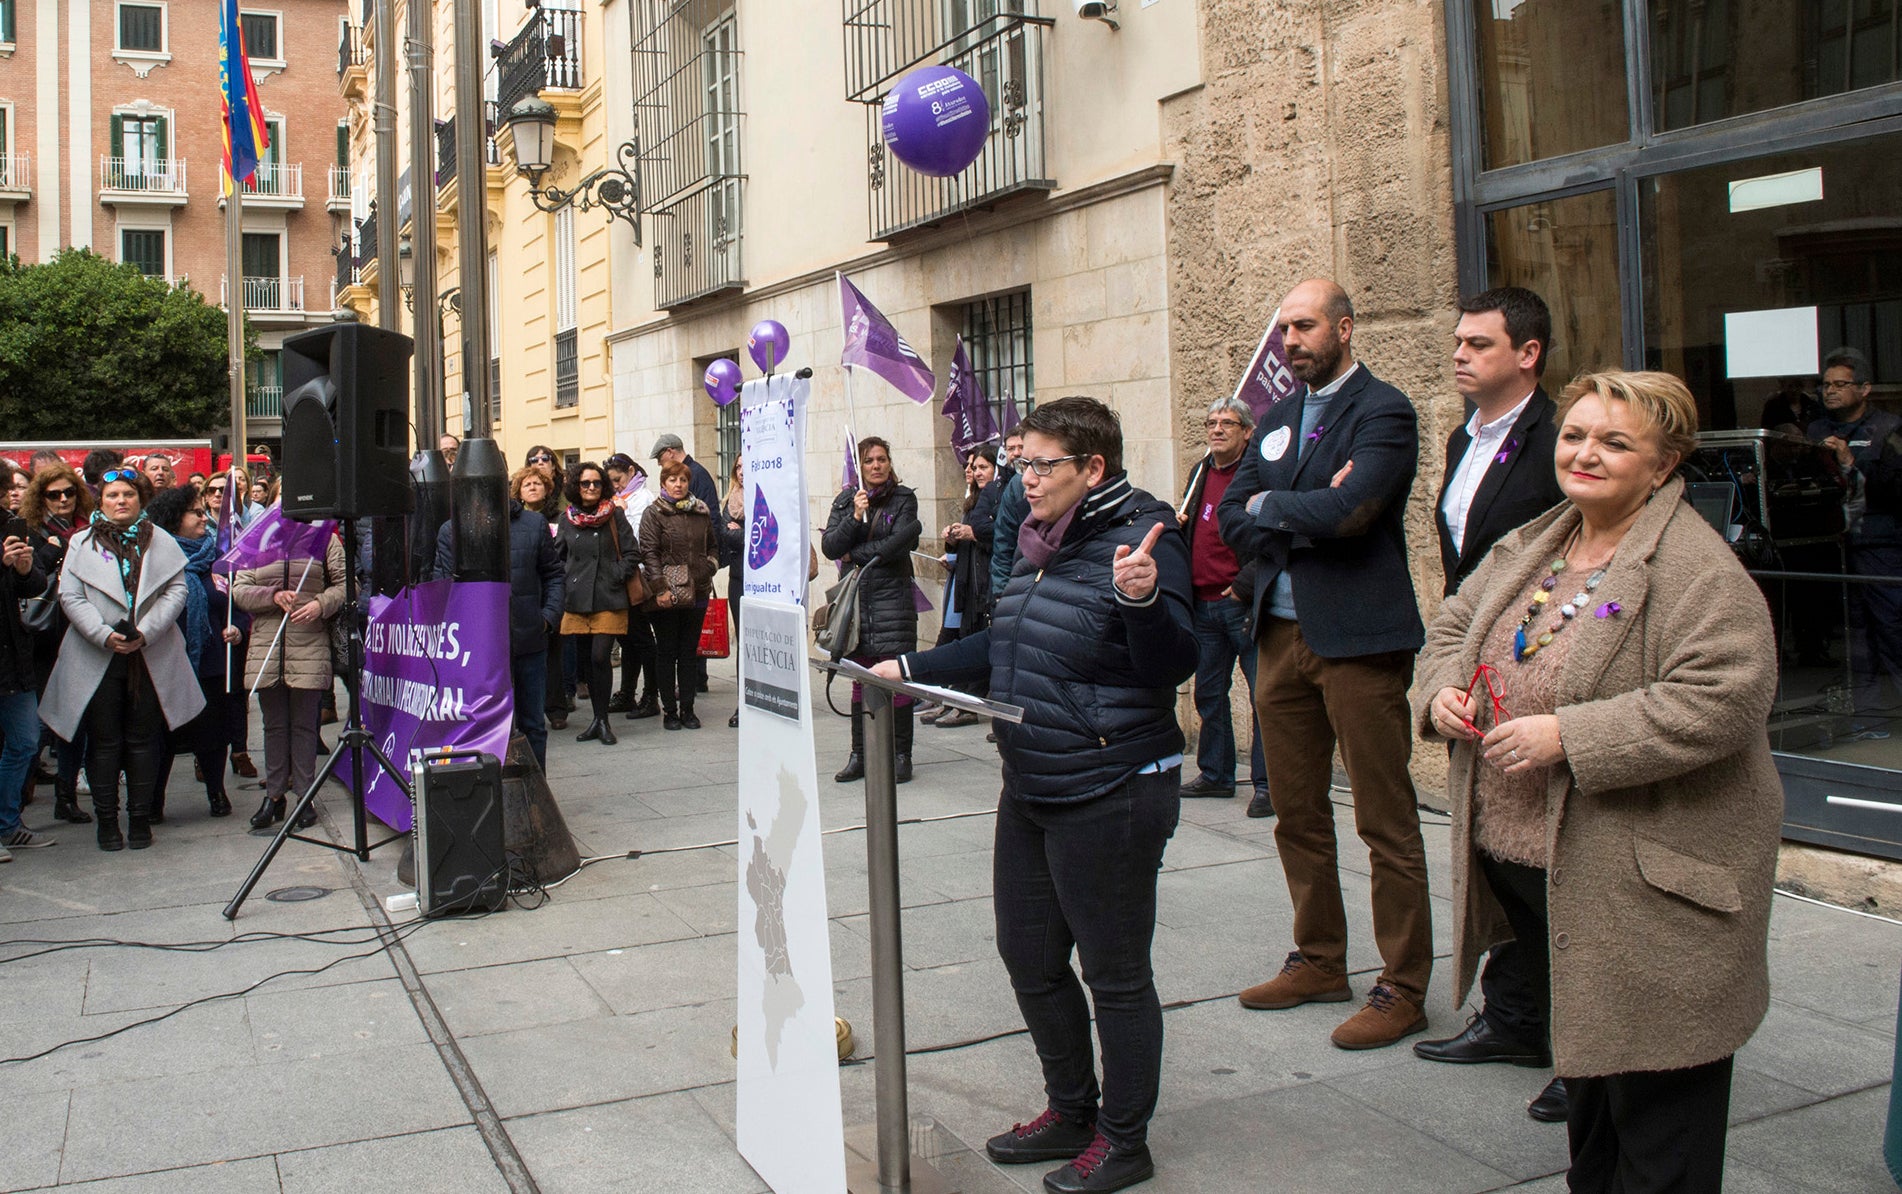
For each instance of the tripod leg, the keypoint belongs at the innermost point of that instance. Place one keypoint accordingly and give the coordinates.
(288, 831)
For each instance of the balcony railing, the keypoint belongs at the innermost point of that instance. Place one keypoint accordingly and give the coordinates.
(341, 185)
(366, 238)
(349, 49)
(152, 176)
(491, 121)
(16, 172)
(264, 402)
(1006, 58)
(266, 294)
(276, 180)
(697, 243)
(546, 53)
(445, 151)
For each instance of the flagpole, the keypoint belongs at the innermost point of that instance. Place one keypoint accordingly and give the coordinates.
(234, 319)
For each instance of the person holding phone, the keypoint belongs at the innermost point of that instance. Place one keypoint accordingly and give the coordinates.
(20, 577)
(57, 506)
(122, 670)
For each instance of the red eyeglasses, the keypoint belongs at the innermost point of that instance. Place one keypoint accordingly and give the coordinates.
(1495, 685)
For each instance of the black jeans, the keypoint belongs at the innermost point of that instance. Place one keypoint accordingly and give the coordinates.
(125, 731)
(203, 738)
(1650, 1132)
(677, 642)
(637, 655)
(1082, 877)
(1517, 980)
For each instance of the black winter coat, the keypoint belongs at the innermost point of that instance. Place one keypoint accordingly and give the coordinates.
(888, 619)
(537, 581)
(597, 574)
(17, 673)
(972, 571)
(49, 553)
(1095, 674)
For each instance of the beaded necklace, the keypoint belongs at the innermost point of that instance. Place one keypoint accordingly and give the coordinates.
(1524, 646)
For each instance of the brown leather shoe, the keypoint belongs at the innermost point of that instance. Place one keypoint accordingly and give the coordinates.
(1299, 982)
(1387, 1016)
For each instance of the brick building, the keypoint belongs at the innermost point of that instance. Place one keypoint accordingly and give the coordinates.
(109, 140)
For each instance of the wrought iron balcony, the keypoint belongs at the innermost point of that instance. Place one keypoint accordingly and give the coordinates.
(546, 53)
(264, 402)
(366, 238)
(1005, 56)
(266, 296)
(445, 151)
(697, 243)
(132, 180)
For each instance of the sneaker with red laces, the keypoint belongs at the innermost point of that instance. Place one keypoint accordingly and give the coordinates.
(1049, 1137)
(1102, 1167)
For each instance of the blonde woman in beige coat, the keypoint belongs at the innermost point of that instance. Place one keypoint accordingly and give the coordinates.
(1622, 784)
(288, 664)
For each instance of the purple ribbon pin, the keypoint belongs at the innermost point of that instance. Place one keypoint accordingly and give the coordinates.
(1315, 434)
(1512, 445)
(1608, 609)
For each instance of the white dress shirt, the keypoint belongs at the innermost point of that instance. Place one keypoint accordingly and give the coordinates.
(1486, 443)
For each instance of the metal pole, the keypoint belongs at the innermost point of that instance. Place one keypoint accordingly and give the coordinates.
(427, 391)
(234, 327)
(888, 962)
(472, 234)
(388, 269)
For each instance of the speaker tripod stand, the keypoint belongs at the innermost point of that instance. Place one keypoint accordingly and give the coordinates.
(352, 742)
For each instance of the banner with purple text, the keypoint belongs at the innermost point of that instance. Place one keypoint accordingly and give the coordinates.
(435, 674)
(1268, 379)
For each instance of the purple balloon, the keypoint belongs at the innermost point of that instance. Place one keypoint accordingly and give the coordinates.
(935, 120)
(723, 381)
(768, 342)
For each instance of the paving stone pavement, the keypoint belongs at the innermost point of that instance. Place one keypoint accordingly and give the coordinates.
(583, 1046)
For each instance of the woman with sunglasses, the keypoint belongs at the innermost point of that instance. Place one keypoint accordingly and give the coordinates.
(56, 507)
(122, 668)
(602, 554)
(1605, 678)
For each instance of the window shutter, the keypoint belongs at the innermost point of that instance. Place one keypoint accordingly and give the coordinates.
(118, 137)
(565, 280)
(343, 144)
(161, 129)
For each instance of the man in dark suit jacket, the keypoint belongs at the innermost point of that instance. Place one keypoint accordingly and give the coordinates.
(1499, 476)
(1337, 628)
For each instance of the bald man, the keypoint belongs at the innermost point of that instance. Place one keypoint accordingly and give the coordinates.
(1319, 499)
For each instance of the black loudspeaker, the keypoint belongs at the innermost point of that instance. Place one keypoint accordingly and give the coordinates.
(461, 862)
(346, 423)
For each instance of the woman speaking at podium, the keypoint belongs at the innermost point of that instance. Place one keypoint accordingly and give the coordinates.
(1091, 637)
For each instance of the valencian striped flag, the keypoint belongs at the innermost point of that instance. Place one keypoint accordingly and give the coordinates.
(245, 134)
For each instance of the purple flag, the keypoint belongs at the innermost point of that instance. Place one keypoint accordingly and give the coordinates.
(871, 342)
(272, 539)
(965, 405)
(435, 674)
(1268, 379)
(1011, 417)
(849, 474)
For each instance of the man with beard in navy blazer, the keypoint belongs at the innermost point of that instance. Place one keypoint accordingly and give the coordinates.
(1499, 476)
(1320, 498)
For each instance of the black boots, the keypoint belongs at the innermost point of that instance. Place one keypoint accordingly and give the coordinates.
(65, 807)
(598, 731)
(138, 831)
(269, 813)
(109, 836)
(902, 730)
(307, 818)
(220, 804)
(647, 706)
(855, 762)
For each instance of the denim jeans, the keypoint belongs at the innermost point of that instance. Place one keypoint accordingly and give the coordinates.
(530, 674)
(1221, 638)
(20, 729)
(1082, 878)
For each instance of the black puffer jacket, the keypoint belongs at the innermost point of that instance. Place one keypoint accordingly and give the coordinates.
(888, 620)
(1095, 674)
(597, 574)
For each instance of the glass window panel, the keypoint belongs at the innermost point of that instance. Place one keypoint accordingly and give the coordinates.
(1566, 251)
(1836, 250)
(260, 34)
(144, 248)
(1552, 77)
(1716, 58)
(141, 27)
(997, 336)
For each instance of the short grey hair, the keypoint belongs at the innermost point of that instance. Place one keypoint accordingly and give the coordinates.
(1234, 406)
(1852, 360)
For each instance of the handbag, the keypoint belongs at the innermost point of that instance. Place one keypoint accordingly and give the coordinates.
(637, 583)
(38, 614)
(836, 623)
(715, 643)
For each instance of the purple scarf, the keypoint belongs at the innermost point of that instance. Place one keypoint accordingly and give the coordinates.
(1037, 542)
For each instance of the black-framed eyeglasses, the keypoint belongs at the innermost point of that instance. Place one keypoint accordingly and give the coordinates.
(118, 474)
(1043, 466)
(58, 495)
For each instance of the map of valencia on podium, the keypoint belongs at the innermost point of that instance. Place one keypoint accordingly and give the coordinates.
(766, 883)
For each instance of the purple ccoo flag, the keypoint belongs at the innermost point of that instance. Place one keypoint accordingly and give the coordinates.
(849, 474)
(871, 342)
(272, 539)
(965, 405)
(1268, 379)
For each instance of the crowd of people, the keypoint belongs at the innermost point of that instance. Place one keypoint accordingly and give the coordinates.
(1599, 672)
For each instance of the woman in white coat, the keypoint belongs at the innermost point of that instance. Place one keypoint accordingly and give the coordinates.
(122, 669)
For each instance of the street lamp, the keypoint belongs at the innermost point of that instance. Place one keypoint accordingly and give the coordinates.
(448, 301)
(614, 189)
